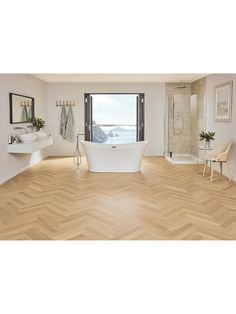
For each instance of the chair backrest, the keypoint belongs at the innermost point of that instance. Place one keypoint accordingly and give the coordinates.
(223, 150)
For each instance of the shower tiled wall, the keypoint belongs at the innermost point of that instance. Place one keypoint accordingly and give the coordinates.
(179, 141)
(189, 105)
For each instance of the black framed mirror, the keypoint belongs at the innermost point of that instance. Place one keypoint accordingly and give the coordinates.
(21, 108)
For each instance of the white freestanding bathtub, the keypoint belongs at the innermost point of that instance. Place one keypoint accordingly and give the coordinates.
(114, 158)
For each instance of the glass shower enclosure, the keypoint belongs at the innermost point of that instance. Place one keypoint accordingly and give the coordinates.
(182, 124)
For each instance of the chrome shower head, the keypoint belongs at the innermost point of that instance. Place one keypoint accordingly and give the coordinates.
(180, 86)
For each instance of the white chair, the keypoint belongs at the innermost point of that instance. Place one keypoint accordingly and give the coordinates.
(219, 154)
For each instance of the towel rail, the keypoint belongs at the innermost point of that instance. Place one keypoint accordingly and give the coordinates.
(67, 103)
(25, 103)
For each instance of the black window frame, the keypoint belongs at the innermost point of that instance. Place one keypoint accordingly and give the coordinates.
(140, 117)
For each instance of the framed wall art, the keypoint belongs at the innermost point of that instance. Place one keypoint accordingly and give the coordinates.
(223, 101)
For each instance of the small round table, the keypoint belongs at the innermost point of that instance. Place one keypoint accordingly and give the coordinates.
(201, 149)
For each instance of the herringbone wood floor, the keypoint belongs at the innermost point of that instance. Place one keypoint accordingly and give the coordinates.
(54, 201)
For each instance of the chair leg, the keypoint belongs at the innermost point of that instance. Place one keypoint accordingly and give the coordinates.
(205, 167)
(228, 170)
(212, 173)
(221, 167)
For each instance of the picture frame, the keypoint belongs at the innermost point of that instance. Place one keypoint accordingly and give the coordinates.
(17, 104)
(223, 102)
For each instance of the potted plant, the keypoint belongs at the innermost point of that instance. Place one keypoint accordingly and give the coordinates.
(207, 137)
(39, 125)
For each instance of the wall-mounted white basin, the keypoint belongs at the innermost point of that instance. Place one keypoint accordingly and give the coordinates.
(24, 148)
(28, 138)
(41, 136)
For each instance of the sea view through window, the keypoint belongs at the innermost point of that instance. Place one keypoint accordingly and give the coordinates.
(114, 118)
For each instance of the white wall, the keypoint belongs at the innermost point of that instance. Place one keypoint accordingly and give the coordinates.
(224, 130)
(46, 95)
(12, 164)
(154, 111)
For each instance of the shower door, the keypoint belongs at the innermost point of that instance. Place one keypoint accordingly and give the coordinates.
(177, 125)
(166, 127)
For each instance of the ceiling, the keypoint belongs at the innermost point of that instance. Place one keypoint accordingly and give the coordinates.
(118, 78)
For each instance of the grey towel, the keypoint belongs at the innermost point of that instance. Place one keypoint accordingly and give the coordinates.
(30, 113)
(69, 134)
(62, 129)
(24, 115)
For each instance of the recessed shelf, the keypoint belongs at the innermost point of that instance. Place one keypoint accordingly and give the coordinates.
(29, 148)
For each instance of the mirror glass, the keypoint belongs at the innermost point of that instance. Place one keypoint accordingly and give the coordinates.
(21, 108)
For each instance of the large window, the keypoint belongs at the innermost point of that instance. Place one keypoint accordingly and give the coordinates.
(114, 118)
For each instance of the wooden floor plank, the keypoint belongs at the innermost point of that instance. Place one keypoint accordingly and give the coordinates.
(53, 200)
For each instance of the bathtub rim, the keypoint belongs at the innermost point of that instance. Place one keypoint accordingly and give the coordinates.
(113, 146)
